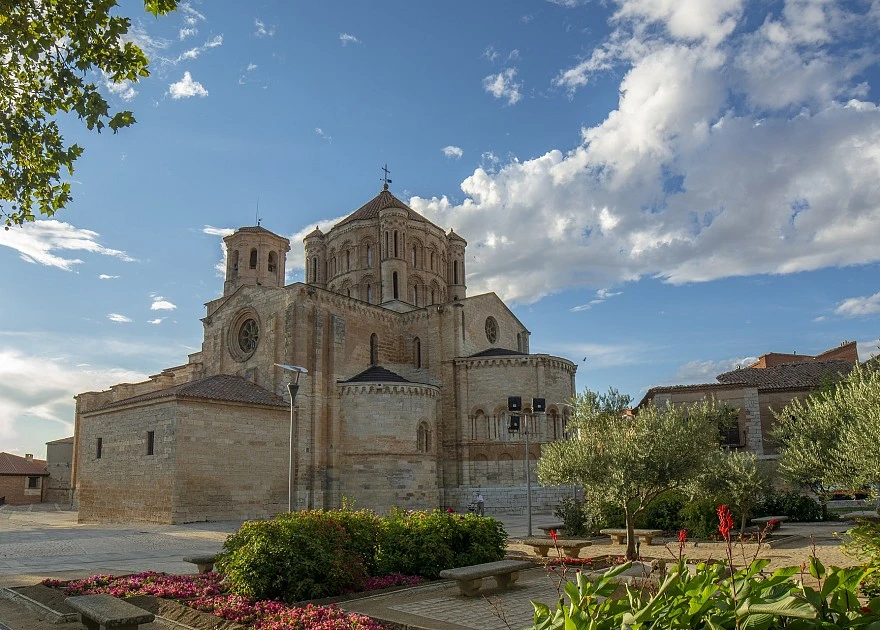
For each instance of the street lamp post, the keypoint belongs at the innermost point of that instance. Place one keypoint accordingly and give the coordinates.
(292, 389)
(514, 406)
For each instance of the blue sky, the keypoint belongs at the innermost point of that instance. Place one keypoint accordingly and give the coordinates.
(661, 190)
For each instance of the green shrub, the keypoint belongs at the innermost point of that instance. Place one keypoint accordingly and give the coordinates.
(425, 543)
(293, 557)
(363, 528)
(797, 507)
(575, 520)
(864, 543)
(699, 518)
(664, 512)
(608, 515)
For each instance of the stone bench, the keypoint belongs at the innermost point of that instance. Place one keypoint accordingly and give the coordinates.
(105, 612)
(867, 515)
(619, 535)
(204, 563)
(470, 578)
(557, 527)
(571, 547)
(762, 521)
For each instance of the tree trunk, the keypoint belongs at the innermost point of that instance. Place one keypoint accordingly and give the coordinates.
(631, 552)
(742, 524)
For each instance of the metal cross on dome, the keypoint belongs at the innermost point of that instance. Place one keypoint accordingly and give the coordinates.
(385, 179)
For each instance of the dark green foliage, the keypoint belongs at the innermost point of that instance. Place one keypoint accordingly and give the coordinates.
(664, 512)
(575, 520)
(364, 529)
(864, 543)
(425, 543)
(797, 507)
(700, 518)
(294, 557)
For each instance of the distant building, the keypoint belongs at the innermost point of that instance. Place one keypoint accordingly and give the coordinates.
(59, 463)
(21, 479)
(404, 403)
(762, 388)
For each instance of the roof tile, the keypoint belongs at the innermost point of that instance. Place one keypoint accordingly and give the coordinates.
(14, 465)
(225, 387)
(794, 375)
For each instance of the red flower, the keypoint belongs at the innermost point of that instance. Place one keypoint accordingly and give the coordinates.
(725, 521)
(682, 536)
(450, 510)
(553, 535)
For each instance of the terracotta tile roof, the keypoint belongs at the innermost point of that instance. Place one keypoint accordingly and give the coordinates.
(377, 374)
(225, 387)
(254, 228)
(497, 352)
(67, 440)
(807, 375)
(383, 200)
(14, 465)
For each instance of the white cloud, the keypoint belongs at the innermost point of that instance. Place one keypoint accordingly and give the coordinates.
(119, 319)
(105, 276)
(161, 304)
(262, 29)
(149, 44)
(347, 38)
(193, 53)
(705, 371)
(37, 242)
(859, 306)
(452, 152)
(123, 89)
(320, 133)
(186, 87)
(490, 53)
(601, 296)
(695, 175)
(568, 4)
(211, 230)
(187, 32)
(251, 67)
(191, 17)
(156, 321)
(42, 386)
(220, 267)
(504, 86)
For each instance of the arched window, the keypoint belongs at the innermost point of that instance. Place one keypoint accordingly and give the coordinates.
(235, 262)
(454, 272)
(374, 349)
(417, 352)
(348, 260)
(416, 296)
(253, 261)
(273, 262)
(386, 245)
(423, 437)
(432, 297)
(414, 257)
(432, 261)
(315, 269)
(395, 243)
(369, 294)
(553, 427)
(369, 256)
(348, 291)
(394, 283)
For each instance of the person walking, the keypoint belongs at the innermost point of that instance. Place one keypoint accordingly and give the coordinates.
(481, 504)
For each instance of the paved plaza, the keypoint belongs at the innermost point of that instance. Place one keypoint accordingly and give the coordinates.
(44, 540)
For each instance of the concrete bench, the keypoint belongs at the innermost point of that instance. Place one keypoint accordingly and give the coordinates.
(571, 547)
(762, 521)
(557, 527)
(105, 612)
(470, 578)
(619, 535)
(204, 563)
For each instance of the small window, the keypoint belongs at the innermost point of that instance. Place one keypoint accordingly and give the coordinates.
(369, 294)
(394, 283)
(432, 261)
(314, 269)
(99, 448)
(414, 257)
(273, 262)
(235, 262)
(253, 262)
(423, 437)
(455, 272)
(33, 483)
(386, 245)
(416, 296)
(374, 349)
(348, 260)
(151, 442)
(417, 352)
(395, 244)
(369, 256)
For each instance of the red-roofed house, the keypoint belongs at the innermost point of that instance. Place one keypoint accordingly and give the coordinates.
(21, 479)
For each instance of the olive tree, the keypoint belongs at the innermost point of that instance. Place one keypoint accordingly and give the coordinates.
(830, 438)
(734, 478)
(51, 52)
(629, 459)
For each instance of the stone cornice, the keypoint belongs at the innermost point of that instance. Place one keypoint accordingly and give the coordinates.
(530, 360)
(405, 389)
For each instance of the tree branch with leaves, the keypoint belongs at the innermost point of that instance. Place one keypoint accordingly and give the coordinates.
(51, 53)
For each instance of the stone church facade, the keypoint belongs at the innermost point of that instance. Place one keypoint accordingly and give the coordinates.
(404, 403)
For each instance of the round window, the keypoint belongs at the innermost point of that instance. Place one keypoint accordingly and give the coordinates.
(491, 330)
(248, 336)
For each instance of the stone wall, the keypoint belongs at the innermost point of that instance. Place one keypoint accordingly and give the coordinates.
(59, 462)
(509, 500)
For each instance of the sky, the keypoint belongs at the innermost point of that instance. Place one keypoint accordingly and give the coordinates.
(661, 190)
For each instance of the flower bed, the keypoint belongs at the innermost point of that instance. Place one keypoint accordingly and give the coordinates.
(206, 593)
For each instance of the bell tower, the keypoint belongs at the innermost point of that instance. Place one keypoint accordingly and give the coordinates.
(254, 256)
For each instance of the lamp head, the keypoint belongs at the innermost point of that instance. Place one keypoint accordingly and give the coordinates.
(295, 369)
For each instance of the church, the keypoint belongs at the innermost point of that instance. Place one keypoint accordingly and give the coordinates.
(404, 402)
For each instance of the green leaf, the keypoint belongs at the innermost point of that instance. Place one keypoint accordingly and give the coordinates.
(817, 569)
(790, 606)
